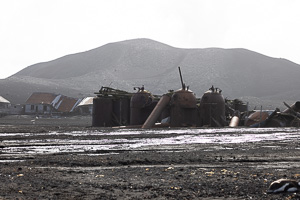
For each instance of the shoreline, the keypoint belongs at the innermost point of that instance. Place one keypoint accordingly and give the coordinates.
(160, 171)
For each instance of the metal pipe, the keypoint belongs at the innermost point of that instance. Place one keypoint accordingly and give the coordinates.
(293, 108)
(182, 84)
(163, 102)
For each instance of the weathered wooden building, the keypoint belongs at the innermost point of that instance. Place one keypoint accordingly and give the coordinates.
(4, 103)
(49, 103)
(4, 106)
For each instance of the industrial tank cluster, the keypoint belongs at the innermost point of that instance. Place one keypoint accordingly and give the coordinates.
(175, 109)
(181, 108)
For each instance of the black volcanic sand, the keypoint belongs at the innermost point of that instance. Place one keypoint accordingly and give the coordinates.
(230, 171)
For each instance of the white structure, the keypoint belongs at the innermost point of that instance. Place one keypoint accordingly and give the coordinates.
(4, 106)
(85, 106)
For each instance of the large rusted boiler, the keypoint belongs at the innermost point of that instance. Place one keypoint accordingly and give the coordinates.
(183, 111)
(212, 108)
(141, 105)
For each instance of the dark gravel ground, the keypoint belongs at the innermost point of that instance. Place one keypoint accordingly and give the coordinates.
(230, 171)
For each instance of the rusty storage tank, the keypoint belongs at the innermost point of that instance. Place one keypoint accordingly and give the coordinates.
(212, 108)
(121, 111)
(183, 110)
(102, 112)
(141, 105)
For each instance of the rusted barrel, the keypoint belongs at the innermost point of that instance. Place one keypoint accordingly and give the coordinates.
(160, 106)
(102, 112)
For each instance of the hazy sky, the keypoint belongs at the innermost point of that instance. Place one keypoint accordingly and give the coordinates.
(33, 31)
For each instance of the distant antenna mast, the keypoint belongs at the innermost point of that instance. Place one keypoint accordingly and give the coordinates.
(183, 85)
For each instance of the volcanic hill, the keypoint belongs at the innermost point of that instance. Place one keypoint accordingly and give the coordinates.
(240, 73)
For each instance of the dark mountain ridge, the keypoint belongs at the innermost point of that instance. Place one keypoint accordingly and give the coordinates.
(240, 73)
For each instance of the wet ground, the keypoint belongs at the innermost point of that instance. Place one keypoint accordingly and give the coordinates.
(65, 158)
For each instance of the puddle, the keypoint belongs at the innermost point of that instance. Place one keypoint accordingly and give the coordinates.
(11, 161)
(91, 142)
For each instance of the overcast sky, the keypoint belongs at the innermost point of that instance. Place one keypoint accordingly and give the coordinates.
(33, 31)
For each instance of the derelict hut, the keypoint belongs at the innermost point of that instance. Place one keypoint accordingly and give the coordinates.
(4, 106)
(49, 103)
(141, 105)
(40, 103)
(4, 103)
(66, 105)
(212, 108)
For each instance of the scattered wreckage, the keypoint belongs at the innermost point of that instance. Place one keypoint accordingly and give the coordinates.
(181, 108)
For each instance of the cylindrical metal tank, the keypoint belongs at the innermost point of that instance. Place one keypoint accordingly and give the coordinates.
(183, 110)
(141, 106)
(121, 111)
(102, 112)
(212, 108)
